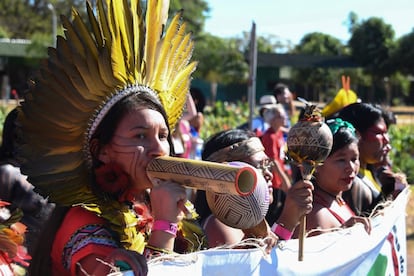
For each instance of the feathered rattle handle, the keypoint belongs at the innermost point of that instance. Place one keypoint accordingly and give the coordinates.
(309, 143)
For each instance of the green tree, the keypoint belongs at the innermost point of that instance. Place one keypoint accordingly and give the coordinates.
(371, 43)
(404, 54)
(24, 18)
(37, 14)
(3, 33)
(322, 80)
(352, 21)
(403, 61)
(220, 61)
(195, 13)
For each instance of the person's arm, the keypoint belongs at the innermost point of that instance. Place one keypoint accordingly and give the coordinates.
(168, 208)
(134, 261)
(277, 168)
(297, 204)
(219, 233)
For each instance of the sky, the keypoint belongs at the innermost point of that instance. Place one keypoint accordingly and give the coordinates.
(290, 20)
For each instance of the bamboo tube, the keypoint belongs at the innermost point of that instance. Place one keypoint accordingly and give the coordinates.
(235, 178)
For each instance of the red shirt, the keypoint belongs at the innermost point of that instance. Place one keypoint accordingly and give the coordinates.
(274, 143)
(71, 243)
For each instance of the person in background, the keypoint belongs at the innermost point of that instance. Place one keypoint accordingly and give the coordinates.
(243, 145)
(384, 172)
(14, 187)
(100, 109)
(285, 97)
(259, 126)
(198, 98)
(182, 134)
(331, 179)
(374, 145)
(275, 145)
(196, 123)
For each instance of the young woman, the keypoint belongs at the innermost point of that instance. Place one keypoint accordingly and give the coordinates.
(332, 178)
(243, 145)
(373, 145)
(101, 108)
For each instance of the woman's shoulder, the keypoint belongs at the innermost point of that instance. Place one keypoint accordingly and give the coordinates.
(81, 233)
(76, 219)
(80, 215)
(219, 233)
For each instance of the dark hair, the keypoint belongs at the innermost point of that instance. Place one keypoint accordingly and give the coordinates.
(216, 142)
(224, 139)
(361, 115)
(341, 138)
(41, 263)
(279, 89)
(106, 129)
(388, 115)
(199, 99)
(7, 149)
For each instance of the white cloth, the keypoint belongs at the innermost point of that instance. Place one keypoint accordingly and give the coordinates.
(348, 251)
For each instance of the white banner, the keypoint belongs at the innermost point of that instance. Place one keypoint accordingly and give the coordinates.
(348, 251)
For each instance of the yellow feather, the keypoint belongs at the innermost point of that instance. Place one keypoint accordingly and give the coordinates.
(120, 51)
(139, 38)
(94, 25)
(128, 40)
(180, 58)
(83, 32)
(72, 38)
(104, 24)
(155, 20)
(167, 49)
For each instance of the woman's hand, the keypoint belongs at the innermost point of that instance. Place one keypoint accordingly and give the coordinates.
(168, 200)
(297, 204)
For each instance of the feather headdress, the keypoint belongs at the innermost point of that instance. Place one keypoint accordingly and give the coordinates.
(117, 53)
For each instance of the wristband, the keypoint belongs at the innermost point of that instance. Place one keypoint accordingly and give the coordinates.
(281, 231)
(165, 226)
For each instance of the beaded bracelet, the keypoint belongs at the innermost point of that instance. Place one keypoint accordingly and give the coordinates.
(165, 226)
(281, 231)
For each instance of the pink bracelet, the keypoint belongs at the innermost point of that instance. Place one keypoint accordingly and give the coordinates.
(165, 226)
(281, 231)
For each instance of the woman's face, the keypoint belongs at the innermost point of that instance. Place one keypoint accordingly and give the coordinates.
(261, 161)
(140, 137)
(374, 143)
(339, 170)
(279, 118)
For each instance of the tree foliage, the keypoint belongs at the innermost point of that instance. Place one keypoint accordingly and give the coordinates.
(317, 43)
(404, 55)
(321, 79)
(220, 60)
(224, 60)
(195, 13)
(371, 44)
(24, 18)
